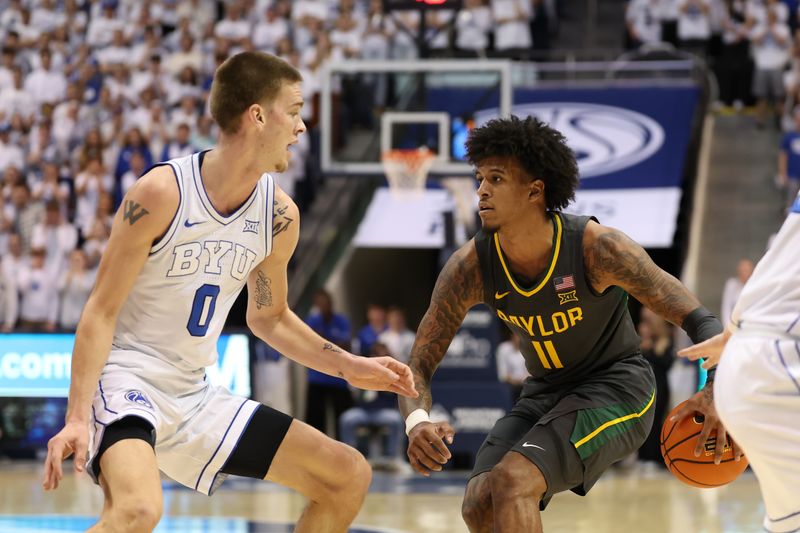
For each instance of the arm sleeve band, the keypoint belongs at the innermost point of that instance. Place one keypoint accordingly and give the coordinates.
(701, 325)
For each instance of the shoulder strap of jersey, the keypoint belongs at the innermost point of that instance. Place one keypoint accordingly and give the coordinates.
(483, 242)
(176, 218)
(268, 185)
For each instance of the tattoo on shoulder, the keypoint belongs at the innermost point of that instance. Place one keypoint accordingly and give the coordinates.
(280, 222)
(330, 347)
(263, 296)
(615, 259)
(133, 212)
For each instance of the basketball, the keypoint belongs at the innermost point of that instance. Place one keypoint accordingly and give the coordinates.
(678, 440)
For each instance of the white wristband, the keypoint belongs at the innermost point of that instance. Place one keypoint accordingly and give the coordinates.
(416, 416)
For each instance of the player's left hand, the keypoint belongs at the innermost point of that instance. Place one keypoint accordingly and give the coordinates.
(380, 373)
(703, 403)
(710, 349)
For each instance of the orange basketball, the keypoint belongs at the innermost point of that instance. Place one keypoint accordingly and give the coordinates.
(678, 440)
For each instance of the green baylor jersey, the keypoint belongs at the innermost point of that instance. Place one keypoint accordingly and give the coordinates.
(567, 330)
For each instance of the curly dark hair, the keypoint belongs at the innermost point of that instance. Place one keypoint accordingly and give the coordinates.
(541, 150)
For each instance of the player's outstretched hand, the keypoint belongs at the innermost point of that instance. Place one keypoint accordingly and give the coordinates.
(381, 373)
(427, 450)
(703, 402)
(710, 350)
(74, 438)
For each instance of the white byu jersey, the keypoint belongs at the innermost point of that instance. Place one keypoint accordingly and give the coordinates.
(770, 300)
(178, 304)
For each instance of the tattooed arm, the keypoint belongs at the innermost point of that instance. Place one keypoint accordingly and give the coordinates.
(458, 288)
(269, 317)
(143, 217)
(613, 258)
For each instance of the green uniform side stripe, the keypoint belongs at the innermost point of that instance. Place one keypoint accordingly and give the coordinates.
(595, 427)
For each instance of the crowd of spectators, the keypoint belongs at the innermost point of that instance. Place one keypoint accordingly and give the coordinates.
(94, 92)
(751, 46)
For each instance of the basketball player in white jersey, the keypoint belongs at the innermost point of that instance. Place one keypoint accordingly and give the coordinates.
(189, 235)
(757, 386)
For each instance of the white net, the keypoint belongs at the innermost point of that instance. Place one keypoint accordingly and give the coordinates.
(407, 170)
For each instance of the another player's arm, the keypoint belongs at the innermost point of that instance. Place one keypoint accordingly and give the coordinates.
(143, 217)
(613, 258)
(269, 317)
(458, 288)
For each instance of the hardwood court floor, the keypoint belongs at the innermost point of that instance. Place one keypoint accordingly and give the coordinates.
(621, 502)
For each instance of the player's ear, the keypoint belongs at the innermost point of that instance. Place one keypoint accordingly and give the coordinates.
(257, 114)
(536, 190)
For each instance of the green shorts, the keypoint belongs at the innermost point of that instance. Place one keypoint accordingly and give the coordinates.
(574, 432)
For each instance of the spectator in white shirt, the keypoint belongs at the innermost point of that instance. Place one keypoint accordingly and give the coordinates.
(57, 237)
(45, 18)
(473, 24)
(186, 113)
(180, 145)
(102, 27)
(14, 260)
(398, 338)
(694, 26)
(16, 100)
(403, 25)
(88, 185)
(187, 56)
(117, 53)
(137, 168)
(512, 33)
(41, 146)
(757, 11)
(38, 289)
(44, 84)
(96, 243)
(346, 35)
(75, 18)
(146, 47)
(50, 188)
(643, 23)
(733, 288)
(11, 15)
(204, 135)
(201, 13)
(27, 213)
(74, 287)
(234, 27)
(11, 155)
(771, 44)
(511, 366)
(271, 29)
(28, 35)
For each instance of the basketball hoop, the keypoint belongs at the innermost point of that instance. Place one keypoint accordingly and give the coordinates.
(407, 170)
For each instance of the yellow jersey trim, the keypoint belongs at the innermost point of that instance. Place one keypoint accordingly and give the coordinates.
(549, 270)
(614, 422)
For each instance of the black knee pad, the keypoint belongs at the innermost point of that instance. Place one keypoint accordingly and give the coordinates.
(130, 427)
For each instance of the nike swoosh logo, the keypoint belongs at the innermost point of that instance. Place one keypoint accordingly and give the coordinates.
(500, 295)
(526, 445)
(190, 224)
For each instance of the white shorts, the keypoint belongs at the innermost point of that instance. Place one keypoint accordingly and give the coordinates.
(197, 425)
(757, 395)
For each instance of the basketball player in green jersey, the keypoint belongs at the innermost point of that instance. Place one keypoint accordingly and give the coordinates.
(561, 282)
